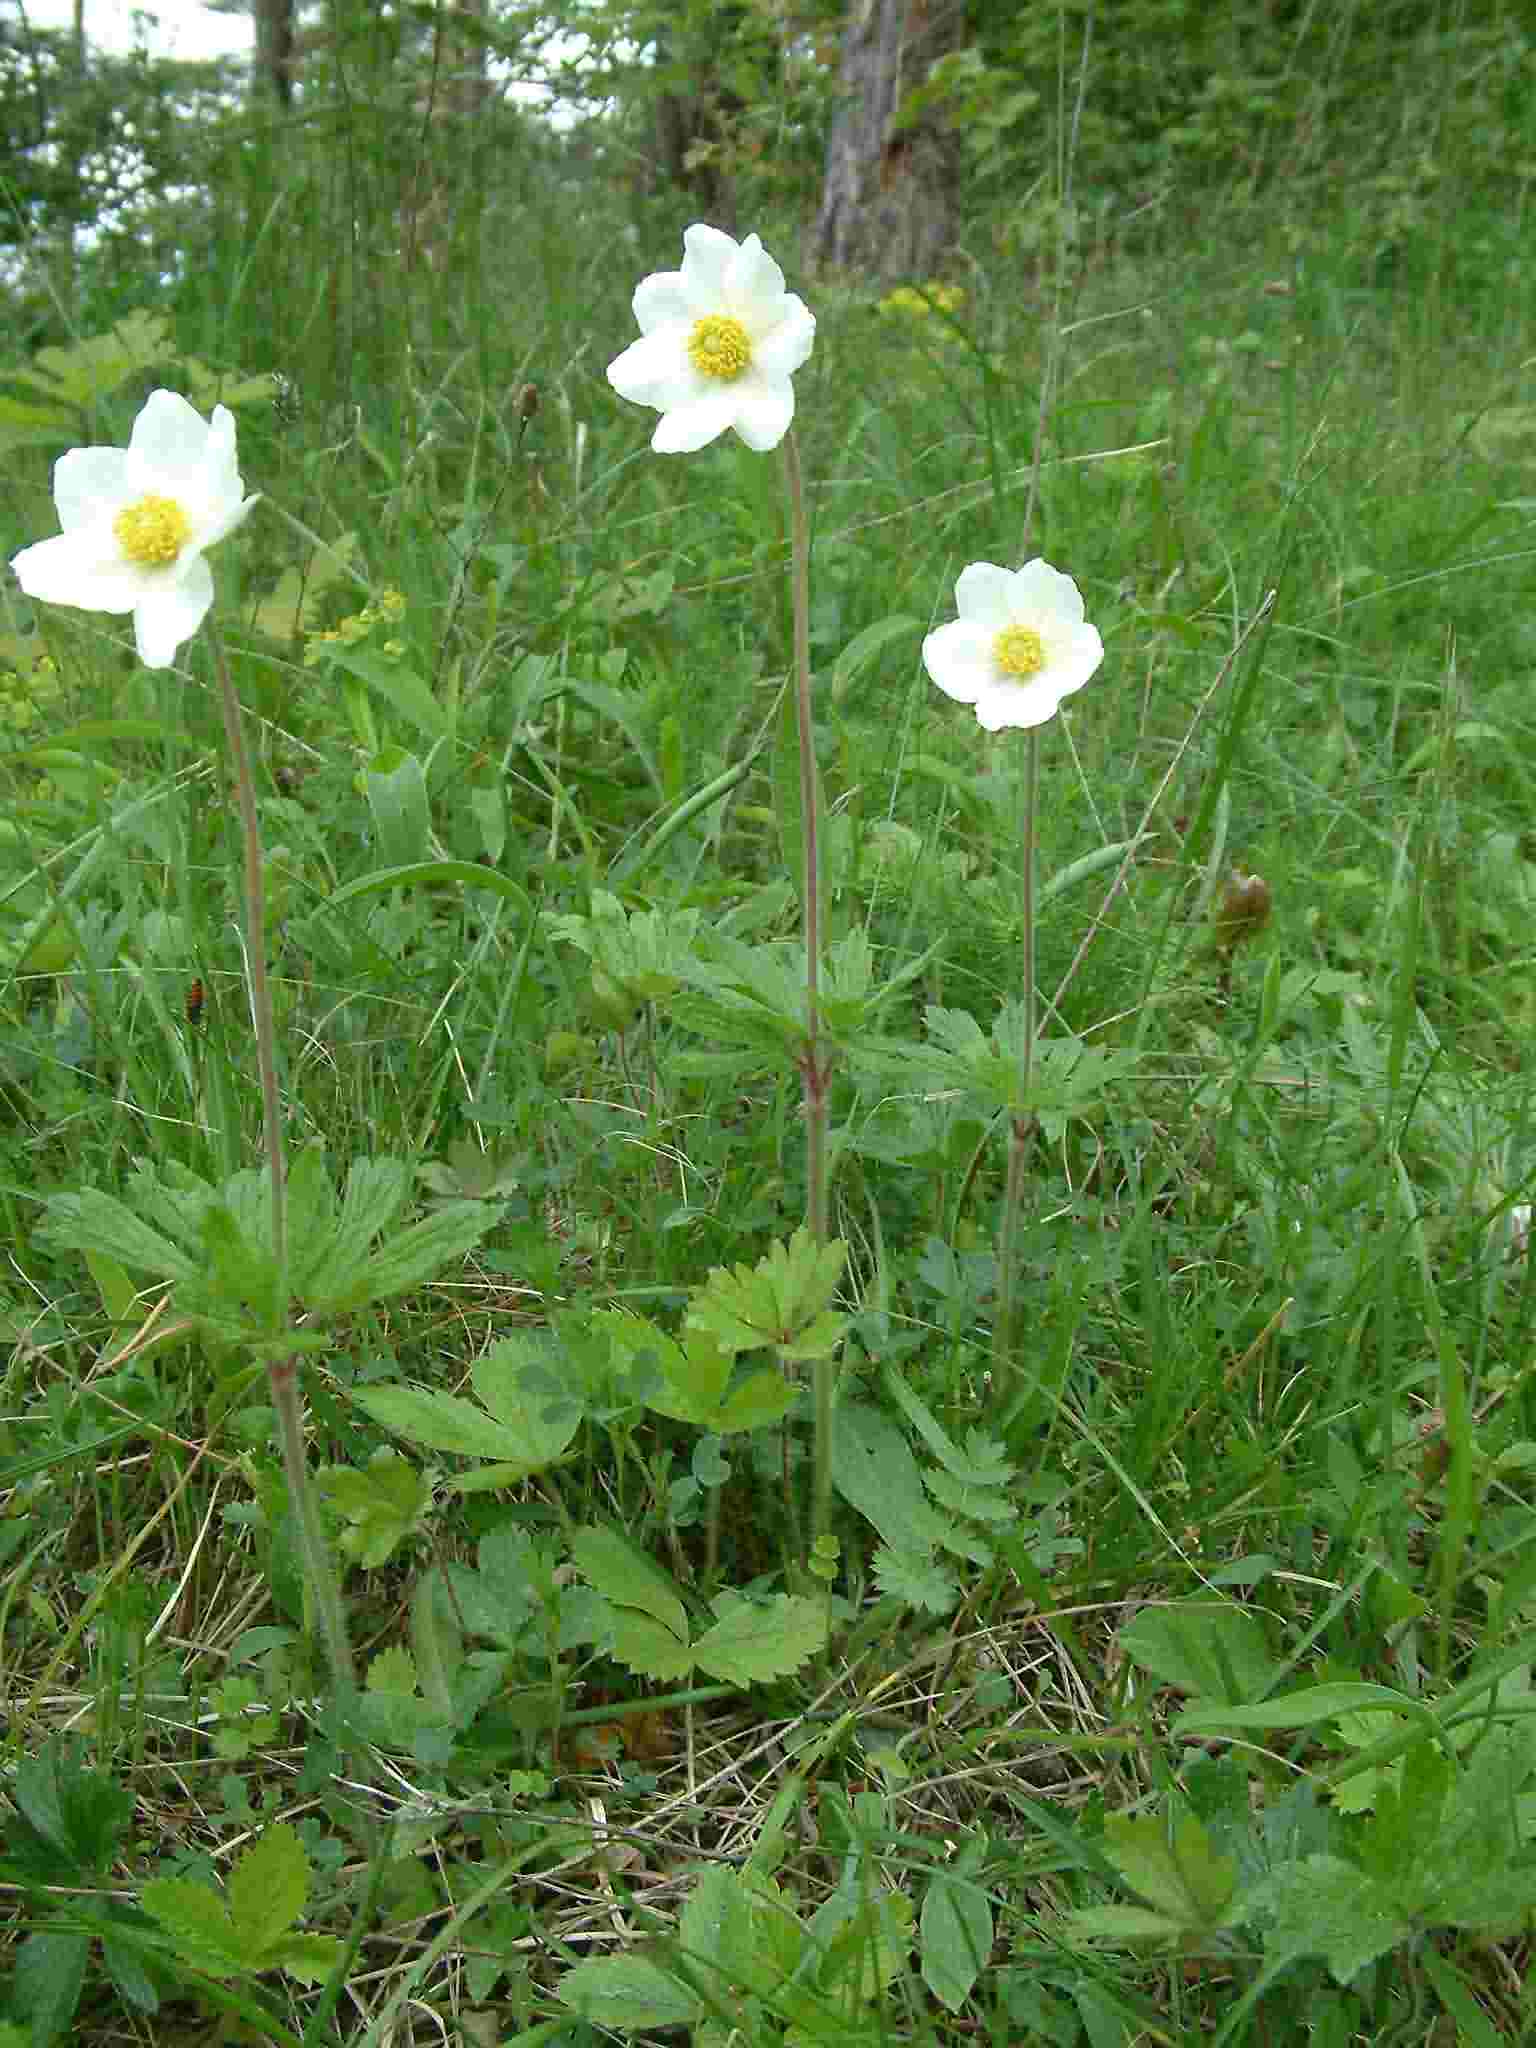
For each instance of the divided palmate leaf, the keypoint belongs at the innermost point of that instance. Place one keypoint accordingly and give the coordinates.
(782, 1302)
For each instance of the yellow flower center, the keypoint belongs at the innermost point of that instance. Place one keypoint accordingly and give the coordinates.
(1019, 651)
(719, 347)
(152, 532)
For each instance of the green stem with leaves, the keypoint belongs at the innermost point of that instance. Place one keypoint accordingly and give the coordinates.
(1021, 1123)
(282, 1376)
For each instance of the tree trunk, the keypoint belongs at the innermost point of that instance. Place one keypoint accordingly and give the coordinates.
(272, 71)
(889, 197)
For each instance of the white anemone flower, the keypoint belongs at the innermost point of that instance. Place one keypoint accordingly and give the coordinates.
(719, 341)
(137, 521)
(1019, 646)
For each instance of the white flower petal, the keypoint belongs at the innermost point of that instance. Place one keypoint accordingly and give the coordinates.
(707, 256)
(763, 409)
(959, 659)
(787, 345)
(752, 278)
(172, 614)
(654, 370)
(984, 596)
(76, 568)
(1038, 588)
(663, 300)
(692, 424)
(169, 442)
(1016, 704)
(86, 480)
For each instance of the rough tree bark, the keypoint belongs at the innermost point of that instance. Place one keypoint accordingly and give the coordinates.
(889, 198)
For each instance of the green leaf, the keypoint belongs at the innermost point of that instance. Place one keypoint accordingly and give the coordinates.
(779, 1302)
(425, 874)
(1296, 1709)
(72, 1818)
(267, 1889)
(956, 1932)
(441, 1422)
(762, 1398)
(197, 1920)
(398, 685)
(309, 1957)
(46, 1981)
(629, 1578)
(129, 1976)
(1201, 1646)
(1323, 1906)
(644, 1645)
(917, 1578)
(500, 1376)
(751, 1644)
(396, 788)
(630, 1993)
(383, 1503)
(1130, 1925)
(1176, 1868)
(375, 1193)
(417, 1255)
(95, 1222)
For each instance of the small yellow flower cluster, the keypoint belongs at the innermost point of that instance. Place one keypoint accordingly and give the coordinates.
(945, 298)
(386, 610)
(24, 698)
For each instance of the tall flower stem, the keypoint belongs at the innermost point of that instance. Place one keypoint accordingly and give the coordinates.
(283, 1375)
(813, 1069)
(1021, 1124)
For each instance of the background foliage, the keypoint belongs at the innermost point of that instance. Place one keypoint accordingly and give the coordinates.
(1191, 1696)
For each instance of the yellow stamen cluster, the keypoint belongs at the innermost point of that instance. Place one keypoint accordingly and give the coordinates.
(1019, 651)
(719, 347)
(153, 531)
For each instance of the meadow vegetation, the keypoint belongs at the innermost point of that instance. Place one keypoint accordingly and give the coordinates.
(1171, 1684)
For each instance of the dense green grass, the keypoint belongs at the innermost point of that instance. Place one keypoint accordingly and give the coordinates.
(1275, 1428)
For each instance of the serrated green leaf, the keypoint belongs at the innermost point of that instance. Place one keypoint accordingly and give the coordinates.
(198, 1921)
(46, 1981)
(267, 1889)
(95, 1222)
(309, 1957)
(415, 1255)
(383, 1503)
(442, 1422)
(1323, 1906)
(129, 1976)
(392, 1670)
(762, 1399)
(376, 1191)
(1130, 1924)
(917, 1578)
(956, 1938)
(643, 1645)
(500, 1378)
(780, 1302)
(1176, 1868)
(751, 1644)
(1202, 1646)
(629, 1993)
(628, 1578)
(74, 1815)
